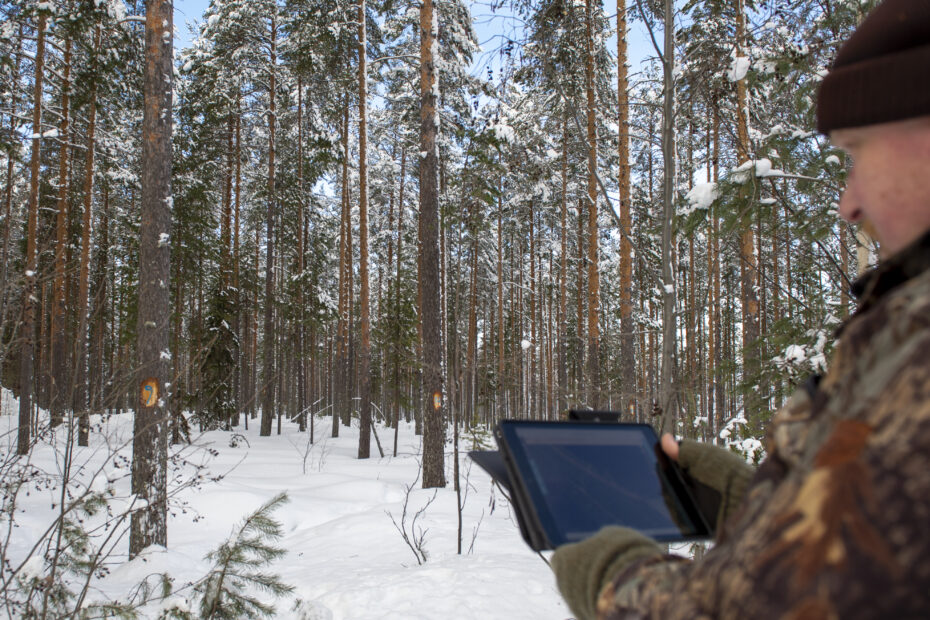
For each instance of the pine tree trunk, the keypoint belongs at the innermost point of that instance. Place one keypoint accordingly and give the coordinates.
(668, 401)
(431, 302)
(242, 334)
(500, 288)
(593, 378)
(301, 371)
(26, 354)
(59, 357)
(8, 199)
(580, 385)
(563, 276)
(364, 371)
(748, 263)
(400, 245)
(98, 308)
(340, 400)
(80, 354)
(471, 349)
(268, 367)
(150, 445)
(627, 327)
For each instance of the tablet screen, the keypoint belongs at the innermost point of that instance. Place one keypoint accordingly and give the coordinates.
(581, 477)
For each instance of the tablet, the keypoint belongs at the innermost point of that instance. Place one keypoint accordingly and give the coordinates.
(570, 479)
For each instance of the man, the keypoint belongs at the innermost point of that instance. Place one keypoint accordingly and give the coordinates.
(836, 521)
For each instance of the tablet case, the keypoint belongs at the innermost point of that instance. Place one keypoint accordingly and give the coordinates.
(499, 468)
(493, 462)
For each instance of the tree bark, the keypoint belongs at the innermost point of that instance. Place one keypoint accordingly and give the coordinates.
(80, 402)
(268, 367)
(150, 439)
(430, 309)
(364, 370)
(668, 400)
(59, 357)
(26, 354)
(627, 327)
(748, 261)
(593, 378)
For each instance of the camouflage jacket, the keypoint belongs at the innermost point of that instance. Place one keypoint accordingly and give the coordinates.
(836, 523)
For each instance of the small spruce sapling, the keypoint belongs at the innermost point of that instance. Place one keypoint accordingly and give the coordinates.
(237, 568)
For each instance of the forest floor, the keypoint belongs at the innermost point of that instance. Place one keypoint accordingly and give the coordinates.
(345, 557)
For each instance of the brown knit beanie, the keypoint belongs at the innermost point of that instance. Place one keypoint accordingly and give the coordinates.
(882, 73)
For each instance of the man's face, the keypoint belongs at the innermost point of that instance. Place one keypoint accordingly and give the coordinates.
(888, 189)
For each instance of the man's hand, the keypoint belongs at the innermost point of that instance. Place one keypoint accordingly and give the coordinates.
(716, 468)
(583, 569)
(670, 446)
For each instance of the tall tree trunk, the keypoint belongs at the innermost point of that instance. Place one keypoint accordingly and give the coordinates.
(341, 380)
(500, 286)
(80, 343)
(430, 309)
(268, 367)
(397, 333)
(8, 198)
(471, 349)
(627, 356)
(593, 378)
(59, 356)
(719, 379)
(301, 371)
(26, 354)
(242, 335)
(364, 370)
(150, 440)
(580, 316)
(98, 308)
(748, 260)
(668, 400)
(563, 276)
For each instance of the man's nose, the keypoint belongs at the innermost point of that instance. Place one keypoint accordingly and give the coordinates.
(849, 208)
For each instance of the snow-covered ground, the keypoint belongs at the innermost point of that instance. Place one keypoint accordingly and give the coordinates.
(345, 557)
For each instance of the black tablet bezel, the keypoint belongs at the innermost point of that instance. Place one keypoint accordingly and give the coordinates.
(542, 532)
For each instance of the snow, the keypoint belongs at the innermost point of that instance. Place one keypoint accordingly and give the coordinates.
(345, 558)
(525, 344)
(738, 69)
(51, 133)
(701, 196)
(833, 159)
(504, 132)
(795, 354)
(761, 168)
(32, 569)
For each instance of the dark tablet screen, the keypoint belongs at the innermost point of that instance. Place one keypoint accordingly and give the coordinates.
(581, 477)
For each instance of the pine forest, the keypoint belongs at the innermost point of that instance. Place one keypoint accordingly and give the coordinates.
(350, 216)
